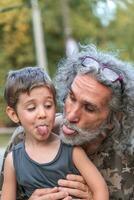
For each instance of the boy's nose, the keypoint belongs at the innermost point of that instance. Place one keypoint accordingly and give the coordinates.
(41, 112)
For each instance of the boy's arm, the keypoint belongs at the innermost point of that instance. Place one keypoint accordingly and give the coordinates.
(17, 137)
(91, 174)
(9, 182)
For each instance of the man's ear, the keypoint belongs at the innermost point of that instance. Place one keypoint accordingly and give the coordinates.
(12, 114)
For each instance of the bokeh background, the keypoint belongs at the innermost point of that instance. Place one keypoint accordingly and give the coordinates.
(57, 25)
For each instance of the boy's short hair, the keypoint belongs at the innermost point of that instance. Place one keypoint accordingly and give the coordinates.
(24, 80)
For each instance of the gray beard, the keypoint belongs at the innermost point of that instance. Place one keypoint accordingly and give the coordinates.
(82, 136)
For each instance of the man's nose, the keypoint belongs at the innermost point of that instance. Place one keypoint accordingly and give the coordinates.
(73, 115)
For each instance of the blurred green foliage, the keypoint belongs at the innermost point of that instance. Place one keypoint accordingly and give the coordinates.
(4, 139)
(16, 34)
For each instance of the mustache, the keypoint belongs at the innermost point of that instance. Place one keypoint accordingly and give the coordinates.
(74, 127)
(83, 136)
(81, 131)
(71, 125)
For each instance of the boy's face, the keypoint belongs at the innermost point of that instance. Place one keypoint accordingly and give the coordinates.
(36, 112)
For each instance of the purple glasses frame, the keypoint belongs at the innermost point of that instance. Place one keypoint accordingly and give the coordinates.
(105, 66)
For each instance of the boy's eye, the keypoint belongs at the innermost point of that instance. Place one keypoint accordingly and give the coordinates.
(31, 108)
(48, 105)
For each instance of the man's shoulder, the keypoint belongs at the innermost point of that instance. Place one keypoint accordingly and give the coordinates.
(118, 172)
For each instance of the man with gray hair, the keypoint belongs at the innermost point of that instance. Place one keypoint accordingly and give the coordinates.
(96, 91)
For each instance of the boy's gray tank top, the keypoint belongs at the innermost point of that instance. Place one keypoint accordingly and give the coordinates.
(32, 175)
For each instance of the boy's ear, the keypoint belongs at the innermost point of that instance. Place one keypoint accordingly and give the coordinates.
(12, 114)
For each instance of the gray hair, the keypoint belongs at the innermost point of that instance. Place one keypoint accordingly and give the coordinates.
(122, 104)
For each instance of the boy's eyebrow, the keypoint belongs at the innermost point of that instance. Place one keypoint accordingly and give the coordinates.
(32, 99)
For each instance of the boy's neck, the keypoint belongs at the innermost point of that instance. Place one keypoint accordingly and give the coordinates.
(43, 152)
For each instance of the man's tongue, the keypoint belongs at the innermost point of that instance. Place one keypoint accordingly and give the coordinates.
(67, 131)
(42, 130)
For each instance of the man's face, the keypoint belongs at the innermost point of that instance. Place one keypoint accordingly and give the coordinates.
(86, 110)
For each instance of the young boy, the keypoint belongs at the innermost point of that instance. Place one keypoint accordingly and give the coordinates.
(42, 159)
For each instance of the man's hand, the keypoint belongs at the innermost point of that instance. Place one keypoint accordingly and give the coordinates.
(49, 194)
(75, 186)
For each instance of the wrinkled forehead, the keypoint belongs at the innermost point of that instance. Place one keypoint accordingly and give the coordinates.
(87, 87)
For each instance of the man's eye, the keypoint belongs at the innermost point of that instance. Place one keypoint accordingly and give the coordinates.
(89, 108)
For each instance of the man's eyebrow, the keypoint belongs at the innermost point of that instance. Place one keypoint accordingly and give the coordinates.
(71, 91)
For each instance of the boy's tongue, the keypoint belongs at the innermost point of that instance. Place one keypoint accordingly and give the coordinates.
(43, 130)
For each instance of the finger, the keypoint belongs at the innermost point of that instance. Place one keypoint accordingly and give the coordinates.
(44, 191)
(68, 198)
(73, 177)
(54, 196)
(72, 184)
(76, 193)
